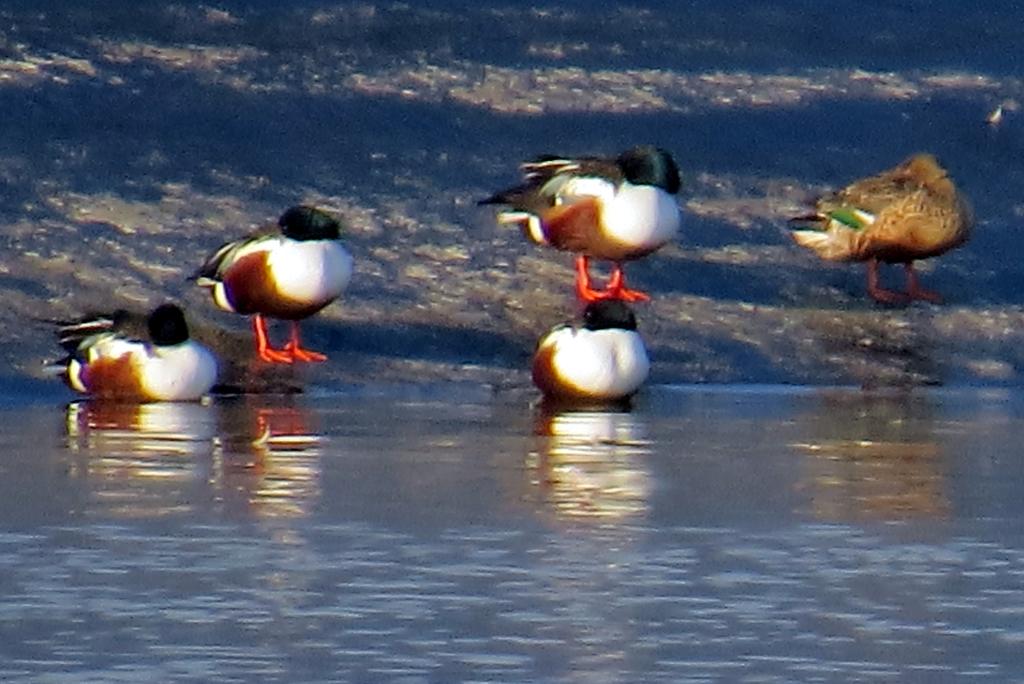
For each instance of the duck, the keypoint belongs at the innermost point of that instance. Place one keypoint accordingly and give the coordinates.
(287, 272)
(613, 209)
(910, 212)
(130, 357)
(602, 360)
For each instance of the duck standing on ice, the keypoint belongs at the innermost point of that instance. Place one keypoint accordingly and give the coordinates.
(912, 211)
(289, 272)
(613, 209)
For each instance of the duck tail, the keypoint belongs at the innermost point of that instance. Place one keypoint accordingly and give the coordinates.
(812, 219)
(496, 198)
(56, 368)
(513, 197)
(834, 245)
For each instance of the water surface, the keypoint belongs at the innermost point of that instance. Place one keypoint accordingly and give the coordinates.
(443, 534)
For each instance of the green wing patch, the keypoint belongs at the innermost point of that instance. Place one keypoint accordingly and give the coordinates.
(851, 217)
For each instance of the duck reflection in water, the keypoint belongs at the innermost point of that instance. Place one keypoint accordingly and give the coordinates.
(139, 460)
(267, 461)
(589, 463)
(132, 429)
(257, 455)
(874, 456)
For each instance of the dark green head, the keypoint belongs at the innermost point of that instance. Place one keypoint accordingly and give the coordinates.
(607, 314)
(649, 165)
(309, 223)
(167, 326)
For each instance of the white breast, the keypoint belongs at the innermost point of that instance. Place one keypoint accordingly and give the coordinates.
(642, 216)
(310, 271)
(182, 372)
(608, 364)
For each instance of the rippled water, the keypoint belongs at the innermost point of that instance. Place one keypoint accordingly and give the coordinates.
(439, 535)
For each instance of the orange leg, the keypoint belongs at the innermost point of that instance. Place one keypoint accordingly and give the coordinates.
(915, 291)
(617, 287)
(879, 293)
(294, 347)
(583, 289)
(263, 348)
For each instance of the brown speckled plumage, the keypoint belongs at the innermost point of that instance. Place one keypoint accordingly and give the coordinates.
(912, 211)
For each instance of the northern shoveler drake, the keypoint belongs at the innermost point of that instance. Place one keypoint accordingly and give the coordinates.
(614, 209)
(912, 211)
(604, 360)
(139, 358)
(289, 272)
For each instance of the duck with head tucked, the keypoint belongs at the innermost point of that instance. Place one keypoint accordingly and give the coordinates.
(130, 357)
(609, 208)
(910, 212)
(289, 271)
(604, 360)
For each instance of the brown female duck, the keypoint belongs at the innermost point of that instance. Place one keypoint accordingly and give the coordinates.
(912, 211)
